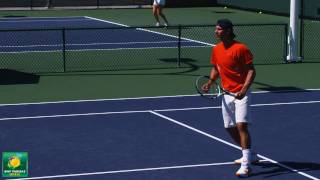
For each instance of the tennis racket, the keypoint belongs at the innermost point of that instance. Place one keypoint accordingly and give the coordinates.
(212, 92)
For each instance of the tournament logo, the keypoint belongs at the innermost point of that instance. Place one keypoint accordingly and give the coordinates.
(15, 164)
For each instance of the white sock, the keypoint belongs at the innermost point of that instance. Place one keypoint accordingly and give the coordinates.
(246, 155)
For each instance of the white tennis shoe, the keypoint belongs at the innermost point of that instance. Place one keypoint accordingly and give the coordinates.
(254, 159)
(243, 171)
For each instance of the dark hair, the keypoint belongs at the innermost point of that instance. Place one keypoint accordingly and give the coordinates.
(226, 24)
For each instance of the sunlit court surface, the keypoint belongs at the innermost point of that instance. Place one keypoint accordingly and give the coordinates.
(172, 137)
(94, 90)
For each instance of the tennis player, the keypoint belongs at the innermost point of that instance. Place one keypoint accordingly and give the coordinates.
(158, 6)
(233, 62)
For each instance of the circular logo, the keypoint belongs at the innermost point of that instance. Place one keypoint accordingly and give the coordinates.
(14, 162)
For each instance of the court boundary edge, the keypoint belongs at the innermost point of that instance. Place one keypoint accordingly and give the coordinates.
(137, 98)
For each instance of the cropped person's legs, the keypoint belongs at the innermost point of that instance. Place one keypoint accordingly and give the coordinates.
(155, 11)
(166, 23)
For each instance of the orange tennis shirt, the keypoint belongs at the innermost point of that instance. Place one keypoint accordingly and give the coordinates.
(231, 64)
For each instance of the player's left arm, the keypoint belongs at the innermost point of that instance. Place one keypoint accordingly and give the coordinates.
(249, 80)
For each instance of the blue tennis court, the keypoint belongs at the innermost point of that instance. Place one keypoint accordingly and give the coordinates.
(81, 33)
(174, 137)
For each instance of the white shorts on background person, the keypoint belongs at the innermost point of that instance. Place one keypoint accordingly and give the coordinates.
(159, 2)
(236, 111)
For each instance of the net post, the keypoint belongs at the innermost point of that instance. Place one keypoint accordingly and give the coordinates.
(49, 4)
(31, 4)
(285, 53)
(302, 28)
(64, 49)
(179, 46)
(292, 34)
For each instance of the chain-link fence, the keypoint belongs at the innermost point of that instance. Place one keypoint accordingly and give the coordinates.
(310, 42)
(310, 28)
(70, 4)
(121, 48)
(80, 4)
(309, 15)
(271, 6)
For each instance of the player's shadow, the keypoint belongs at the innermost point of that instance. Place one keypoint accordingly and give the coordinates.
(10, 77)
(270, 169)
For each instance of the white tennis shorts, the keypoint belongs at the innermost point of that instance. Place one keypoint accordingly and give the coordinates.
(159, 2)
(236, 111)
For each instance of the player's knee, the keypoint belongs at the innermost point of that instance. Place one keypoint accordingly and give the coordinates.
(242, 127)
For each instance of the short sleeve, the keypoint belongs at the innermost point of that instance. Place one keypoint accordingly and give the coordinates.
(247, 55)
(213, 59)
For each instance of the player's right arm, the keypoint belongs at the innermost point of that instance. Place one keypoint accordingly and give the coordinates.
(213, 77)
(214, 74)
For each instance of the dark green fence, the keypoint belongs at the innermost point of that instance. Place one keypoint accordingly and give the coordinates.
(309, 13)
(128, 48)
(34, 4)
(310, 41)
(310, 28)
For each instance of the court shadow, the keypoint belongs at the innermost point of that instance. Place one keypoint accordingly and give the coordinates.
(175, 27)
(272, 170)
(185, 62)
(13, 16)
(188, 65)
(222, 12)
(278, 89)
(10, 77)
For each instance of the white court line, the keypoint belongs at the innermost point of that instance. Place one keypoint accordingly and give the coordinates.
(92, 49)
(116, 49)
(72, 115)
(230, 144)
(51, 17)
(26, 52)
(89, 44)
(155, 32)
(132, 98)
(43, 19)
(110, 22)
(129, 170)
(252, 105)
(286, 103)
(32, 45)
(121, 43)
(194, 129)
(143, 111)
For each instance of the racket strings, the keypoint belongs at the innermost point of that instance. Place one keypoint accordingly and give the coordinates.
(210, 92)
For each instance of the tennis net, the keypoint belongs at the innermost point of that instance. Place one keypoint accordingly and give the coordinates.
(130, 48)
